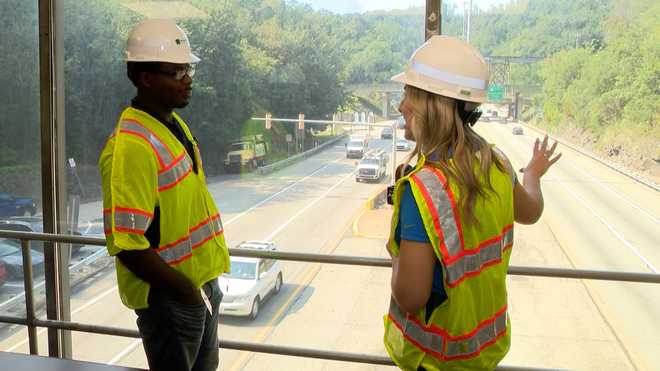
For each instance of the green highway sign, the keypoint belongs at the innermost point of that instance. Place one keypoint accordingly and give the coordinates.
(496, 92)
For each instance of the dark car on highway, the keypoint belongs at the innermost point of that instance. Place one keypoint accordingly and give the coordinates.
(3, 273)
(13, 206)
(33, 224)
(386, 133)
(11, 255)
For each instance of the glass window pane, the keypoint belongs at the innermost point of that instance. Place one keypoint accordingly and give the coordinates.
(20, 162)
(290, 105)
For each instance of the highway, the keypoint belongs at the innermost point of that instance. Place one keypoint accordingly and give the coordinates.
(302, 208)
(595, 218)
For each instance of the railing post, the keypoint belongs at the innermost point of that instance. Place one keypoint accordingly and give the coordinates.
(393, 159)
(28, 285)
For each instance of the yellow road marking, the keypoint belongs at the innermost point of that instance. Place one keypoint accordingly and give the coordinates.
(309, 276)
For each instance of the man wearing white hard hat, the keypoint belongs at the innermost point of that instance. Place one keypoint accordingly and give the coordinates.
(161, 223)
(452, 227)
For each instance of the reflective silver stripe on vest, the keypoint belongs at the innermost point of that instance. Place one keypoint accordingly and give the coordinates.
(426, 339)
(107, 221)
(176, 252)
(442, 204)
(475, 343)
(176, 173)
(205, 231)
(160, 148)
(130, 221)
(182, 249)
(455, 347)
(474, 263)
(216, 223)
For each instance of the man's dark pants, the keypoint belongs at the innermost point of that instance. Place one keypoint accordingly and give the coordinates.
(180, 337)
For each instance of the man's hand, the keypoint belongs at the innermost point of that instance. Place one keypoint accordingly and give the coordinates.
(151, 268)
(189, 296)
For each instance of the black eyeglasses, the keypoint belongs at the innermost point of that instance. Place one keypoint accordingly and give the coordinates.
(180, 72)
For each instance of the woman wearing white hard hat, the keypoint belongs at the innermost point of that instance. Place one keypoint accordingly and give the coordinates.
(452, 227)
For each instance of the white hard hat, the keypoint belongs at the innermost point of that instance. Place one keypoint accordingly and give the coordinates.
(449, 67)
(159, 40)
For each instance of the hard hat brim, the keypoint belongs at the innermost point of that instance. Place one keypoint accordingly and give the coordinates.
(192, 58)
(401, 77)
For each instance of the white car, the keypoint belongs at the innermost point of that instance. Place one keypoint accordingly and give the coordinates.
(250, 282)
(402, 144)
(355, 148)
(372, 167)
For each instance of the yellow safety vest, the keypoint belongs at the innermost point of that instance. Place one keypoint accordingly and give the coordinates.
(470, 330)
(142, 166)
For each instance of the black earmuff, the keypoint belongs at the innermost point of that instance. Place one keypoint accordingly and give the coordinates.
(468, 117)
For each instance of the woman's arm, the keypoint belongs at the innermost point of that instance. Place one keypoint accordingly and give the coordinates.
(412, 275)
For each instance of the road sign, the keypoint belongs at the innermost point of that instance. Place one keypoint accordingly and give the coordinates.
(301, 121)
(269, 122)
(496, 92)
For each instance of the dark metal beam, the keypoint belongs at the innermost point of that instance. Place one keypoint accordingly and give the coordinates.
(433, 23)
(51, 93)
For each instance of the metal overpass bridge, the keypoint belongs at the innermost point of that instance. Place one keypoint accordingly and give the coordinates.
(500, 73)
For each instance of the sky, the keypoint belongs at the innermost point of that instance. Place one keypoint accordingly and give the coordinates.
(360, 6)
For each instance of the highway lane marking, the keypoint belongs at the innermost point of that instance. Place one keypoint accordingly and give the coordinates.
(607, 225)
(267, 329)
(82, 307)
(617, 194)
(102, 251)
(260, 203)
(296, 215)
(356, 229)
(308, 278)
(602, 184)
(125, 352)
(135, 343)
(600, 307)
(41, 283)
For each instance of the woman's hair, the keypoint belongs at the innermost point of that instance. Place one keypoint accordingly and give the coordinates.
(441, 135)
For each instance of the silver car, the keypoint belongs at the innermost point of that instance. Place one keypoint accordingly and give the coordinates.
(250, 282)
(402, 144)
(372, 167)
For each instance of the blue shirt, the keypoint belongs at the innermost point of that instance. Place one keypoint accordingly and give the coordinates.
(410, 227)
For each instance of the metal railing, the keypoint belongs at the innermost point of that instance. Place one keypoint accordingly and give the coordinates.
(32, 322)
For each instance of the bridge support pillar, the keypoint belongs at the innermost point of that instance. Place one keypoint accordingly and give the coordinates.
(386, 105)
